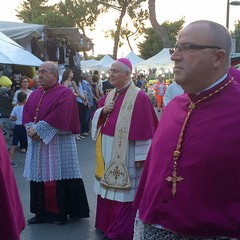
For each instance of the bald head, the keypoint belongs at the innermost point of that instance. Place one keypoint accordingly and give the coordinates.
(48, 74)
(214, 34)
(202, 55)
(52, 67)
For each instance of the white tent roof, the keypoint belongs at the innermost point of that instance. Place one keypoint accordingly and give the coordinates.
(85, 65)
(12, 53)
(161, 59)
(133, 58)
(104, 64)
(21, 32)
(17, 31)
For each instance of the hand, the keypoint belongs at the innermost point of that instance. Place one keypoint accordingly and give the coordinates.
(108, 108)
(32, 133)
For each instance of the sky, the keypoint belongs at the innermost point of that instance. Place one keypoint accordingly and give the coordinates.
(166, 10)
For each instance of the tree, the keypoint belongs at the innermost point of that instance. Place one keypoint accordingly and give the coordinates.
(31, 11)
(160, 30)
(132, 9)
(236, 34)
(154, 44)
(83, 13)
(70, 13)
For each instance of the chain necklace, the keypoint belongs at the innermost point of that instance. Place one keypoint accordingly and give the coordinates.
(115, 97)
(40, 102)
(174, 178)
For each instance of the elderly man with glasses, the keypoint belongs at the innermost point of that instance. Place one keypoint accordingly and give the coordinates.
(52, 165)
(190, 184)
(123, 125)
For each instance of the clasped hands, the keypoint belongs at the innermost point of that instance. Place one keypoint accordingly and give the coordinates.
(108, 108)
(32, 133)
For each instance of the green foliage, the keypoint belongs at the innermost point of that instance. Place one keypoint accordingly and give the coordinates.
(82, 13)
(236, 34)
(137, 15)
(30, 11)
(68, 13)
(153, 44)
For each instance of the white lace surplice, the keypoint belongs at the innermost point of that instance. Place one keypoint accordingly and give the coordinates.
(54, 157)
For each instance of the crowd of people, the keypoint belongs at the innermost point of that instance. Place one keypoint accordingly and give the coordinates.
(177, 178)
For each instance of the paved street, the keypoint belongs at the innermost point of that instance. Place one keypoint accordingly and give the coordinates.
(81, 230)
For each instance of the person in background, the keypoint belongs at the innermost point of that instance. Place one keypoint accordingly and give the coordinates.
(123, 127)
(11, 211)
(95, 85)
(86, 85)
(139, 83)
(172, 91)
(107, 86)
(143, 82)
(160, 89)
(36, 83)
(52, 166)
(19, 131)
(189, 187)
(99, 85)
(67, 81)
(24, 84)
(82, 102)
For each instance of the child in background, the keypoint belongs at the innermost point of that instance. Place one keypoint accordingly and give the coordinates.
(19, 131)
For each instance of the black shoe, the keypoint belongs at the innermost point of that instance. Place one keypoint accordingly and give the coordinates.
(36, 220)
(33, 220)
(74, 218)
(13, 164)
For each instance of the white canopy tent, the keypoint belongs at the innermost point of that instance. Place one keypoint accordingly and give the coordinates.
(22, 32)
(11, 53)
(160, 60)
(134, 59)
(103, 65)
(85, 65)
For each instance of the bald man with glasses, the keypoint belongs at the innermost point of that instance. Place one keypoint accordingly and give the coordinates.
(189, 188)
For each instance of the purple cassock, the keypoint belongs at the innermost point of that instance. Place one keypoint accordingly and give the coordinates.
(116, 218)
(207, 200)
(55, 108)
(143, 122)
(11, 212)
(235, 73)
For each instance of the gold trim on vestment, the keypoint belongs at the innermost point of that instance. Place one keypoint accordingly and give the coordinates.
(116, 173)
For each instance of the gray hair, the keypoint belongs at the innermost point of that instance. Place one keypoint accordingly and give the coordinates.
(52, 67)
(35, 78)
(85, 75)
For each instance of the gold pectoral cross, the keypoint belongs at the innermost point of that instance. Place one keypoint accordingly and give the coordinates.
(174, 179)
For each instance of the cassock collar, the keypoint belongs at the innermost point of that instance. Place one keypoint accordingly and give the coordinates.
(51, 87)
(219, 83)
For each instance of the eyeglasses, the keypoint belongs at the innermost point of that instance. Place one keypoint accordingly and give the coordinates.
(25, 81)
(42, 71)
(187, 47)
(113, 71)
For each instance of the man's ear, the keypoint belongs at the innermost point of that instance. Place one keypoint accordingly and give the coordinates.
(220, 57)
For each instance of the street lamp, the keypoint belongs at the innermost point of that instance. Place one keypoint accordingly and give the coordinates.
(234, 3)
